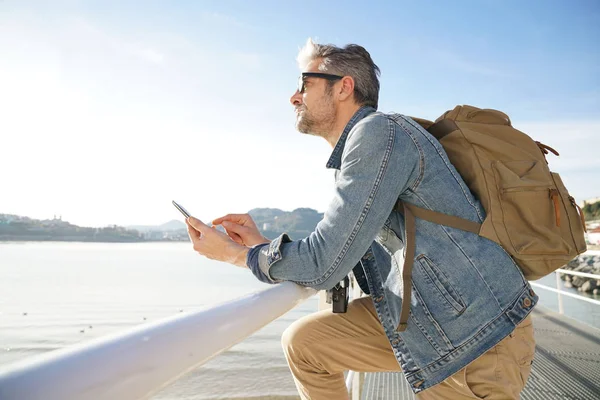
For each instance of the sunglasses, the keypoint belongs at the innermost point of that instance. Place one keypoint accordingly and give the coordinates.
(301, 80)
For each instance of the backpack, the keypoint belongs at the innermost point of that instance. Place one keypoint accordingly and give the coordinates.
(529, 211)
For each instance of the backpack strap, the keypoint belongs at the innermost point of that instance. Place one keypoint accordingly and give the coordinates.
(411, 230)
(411, 211)
(444, 219)
(442, 128)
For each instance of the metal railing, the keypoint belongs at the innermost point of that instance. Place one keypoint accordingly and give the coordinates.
(139, 362)
(563, 292)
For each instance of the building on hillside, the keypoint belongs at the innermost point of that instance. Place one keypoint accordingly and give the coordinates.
(7, 219)
(590, 201)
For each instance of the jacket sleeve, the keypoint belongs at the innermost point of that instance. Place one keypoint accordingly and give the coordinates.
(379, 162)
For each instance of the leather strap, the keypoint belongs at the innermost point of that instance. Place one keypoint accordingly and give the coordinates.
(545, 149)
(579, 211)
(409, 223)
(442, 128)
(444, 219)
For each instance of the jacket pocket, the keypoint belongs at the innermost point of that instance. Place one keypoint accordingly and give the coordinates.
(440, 285)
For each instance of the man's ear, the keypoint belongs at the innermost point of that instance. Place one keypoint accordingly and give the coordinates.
(346, 88)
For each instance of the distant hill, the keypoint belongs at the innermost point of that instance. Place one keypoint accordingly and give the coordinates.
(297, 224)
(272, 222)
(18, 228)
(173, 225)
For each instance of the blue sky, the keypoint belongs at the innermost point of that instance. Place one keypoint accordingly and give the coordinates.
(113, 108)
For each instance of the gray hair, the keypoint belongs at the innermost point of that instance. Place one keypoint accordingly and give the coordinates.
(352, 60)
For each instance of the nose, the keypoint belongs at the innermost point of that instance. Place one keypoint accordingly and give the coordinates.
(296, 99)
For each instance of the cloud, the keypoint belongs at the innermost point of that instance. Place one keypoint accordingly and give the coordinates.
(458, 62)
(100, 40)
(247, 60)
(152, 55)
(577, 142)
(224, 19)
(85, 112)
(442, 56)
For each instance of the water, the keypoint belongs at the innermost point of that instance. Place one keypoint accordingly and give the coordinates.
(55, 294)
(72, 292)
(580, 310)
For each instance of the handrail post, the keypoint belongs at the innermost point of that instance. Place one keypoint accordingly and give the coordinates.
(561, 309)
(323, 305)
(356, 383)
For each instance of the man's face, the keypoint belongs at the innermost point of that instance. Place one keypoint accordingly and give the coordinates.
(315, 107)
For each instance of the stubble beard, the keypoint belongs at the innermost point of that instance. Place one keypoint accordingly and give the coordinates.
(319, 123)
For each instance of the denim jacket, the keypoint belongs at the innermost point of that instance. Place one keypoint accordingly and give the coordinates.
(467, 292)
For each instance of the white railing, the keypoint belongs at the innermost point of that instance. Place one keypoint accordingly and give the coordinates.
(562, 292)
(141, 361)
(354, 379)
(138, 363)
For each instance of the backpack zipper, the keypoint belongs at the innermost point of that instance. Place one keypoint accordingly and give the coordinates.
(554, 197)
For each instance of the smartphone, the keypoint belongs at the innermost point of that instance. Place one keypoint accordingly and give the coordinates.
(181, 209)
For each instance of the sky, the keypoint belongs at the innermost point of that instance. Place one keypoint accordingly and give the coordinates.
(111, 109)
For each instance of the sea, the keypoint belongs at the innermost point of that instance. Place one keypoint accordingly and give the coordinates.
(56, 294)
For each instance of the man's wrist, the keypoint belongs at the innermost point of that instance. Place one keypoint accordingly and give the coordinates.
(257, 241)
(239, 255)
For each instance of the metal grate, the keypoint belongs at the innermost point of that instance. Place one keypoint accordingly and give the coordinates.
(386, 385)
(567, 359)
(566, 364)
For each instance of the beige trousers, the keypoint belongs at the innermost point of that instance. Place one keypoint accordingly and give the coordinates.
(321, 346)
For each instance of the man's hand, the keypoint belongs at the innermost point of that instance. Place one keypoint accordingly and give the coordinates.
(215, 245)
(241, 229)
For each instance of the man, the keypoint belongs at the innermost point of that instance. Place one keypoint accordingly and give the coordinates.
(468, 335)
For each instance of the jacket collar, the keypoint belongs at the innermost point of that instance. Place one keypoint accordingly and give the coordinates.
(335, 160)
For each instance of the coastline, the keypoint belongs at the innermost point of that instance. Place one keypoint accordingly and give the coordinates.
(35, 238)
